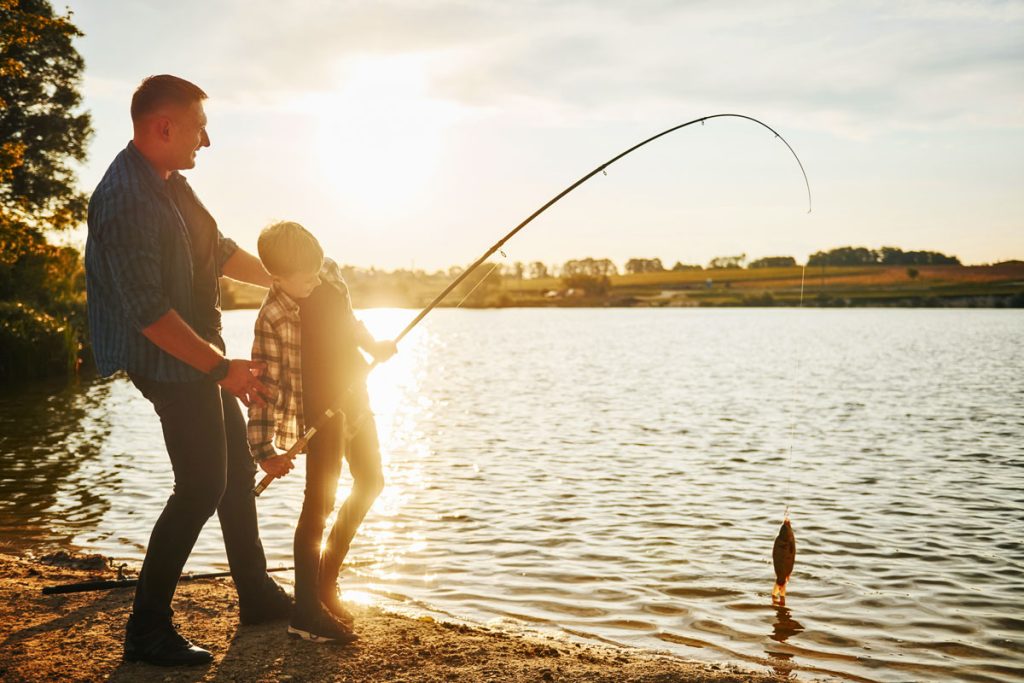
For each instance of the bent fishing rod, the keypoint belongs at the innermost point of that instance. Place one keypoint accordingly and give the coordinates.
(300, 445)
(122, 582)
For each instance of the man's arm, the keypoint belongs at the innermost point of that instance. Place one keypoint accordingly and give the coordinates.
(173, 335)
(245, 267)
(176, 337)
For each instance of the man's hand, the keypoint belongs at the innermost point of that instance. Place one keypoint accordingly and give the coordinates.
(382, 350)
(242, 381)
(277, 465)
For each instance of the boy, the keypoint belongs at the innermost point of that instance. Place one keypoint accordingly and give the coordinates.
(308, 337)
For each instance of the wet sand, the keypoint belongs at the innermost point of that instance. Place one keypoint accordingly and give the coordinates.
(78, 637)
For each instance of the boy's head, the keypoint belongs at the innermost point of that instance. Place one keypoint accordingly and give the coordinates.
(292, 256)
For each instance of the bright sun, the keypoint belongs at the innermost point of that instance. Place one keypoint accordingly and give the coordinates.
(380, 133)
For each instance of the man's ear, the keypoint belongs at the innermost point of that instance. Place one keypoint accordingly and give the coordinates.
(163, 128)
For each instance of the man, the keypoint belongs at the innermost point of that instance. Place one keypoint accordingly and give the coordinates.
(152, 259)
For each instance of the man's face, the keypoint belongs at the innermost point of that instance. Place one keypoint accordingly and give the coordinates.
(187, 136)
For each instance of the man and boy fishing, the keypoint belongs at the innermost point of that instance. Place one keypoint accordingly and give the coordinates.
(153, 258)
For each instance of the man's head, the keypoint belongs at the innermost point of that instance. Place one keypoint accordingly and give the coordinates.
(292, 256)
(169, 122)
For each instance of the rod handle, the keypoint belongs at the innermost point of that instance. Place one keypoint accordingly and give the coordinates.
(291, 454)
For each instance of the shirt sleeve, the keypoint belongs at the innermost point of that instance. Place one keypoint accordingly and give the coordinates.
(332, 272)
(131, 248)
(226, 247)
(266, 347)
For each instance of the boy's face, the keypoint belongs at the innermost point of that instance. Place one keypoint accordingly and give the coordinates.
(298, 285)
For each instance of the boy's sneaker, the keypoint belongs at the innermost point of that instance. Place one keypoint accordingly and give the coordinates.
(332, 602)
(321, 627)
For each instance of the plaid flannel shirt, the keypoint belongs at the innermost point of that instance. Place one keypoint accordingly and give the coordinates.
(278, 343)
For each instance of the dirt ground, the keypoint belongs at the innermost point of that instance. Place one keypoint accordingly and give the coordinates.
(78, 637)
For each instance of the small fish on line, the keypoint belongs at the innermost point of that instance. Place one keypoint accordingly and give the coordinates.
(783, 558)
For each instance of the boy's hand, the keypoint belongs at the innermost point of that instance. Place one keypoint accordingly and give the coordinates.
(382, 350)
(277, 465)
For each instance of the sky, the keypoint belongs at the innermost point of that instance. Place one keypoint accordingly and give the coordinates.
(415, 134)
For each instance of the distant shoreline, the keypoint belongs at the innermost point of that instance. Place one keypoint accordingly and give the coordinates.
(953, 286)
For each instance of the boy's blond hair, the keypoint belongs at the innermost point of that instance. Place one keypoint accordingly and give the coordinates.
(287, 248)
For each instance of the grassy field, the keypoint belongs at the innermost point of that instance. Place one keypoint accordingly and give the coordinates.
(994, 285)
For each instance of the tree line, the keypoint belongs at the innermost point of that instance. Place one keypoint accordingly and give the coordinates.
(840, 256)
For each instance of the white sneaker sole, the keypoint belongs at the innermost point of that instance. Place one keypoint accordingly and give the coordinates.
(315, 638)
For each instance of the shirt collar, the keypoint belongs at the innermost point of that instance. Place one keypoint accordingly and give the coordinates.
(150, 173)
(289, 304)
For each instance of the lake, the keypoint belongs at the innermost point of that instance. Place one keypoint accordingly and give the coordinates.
(620, 474)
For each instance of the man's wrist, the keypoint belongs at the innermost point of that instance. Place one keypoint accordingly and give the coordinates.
(220, 370)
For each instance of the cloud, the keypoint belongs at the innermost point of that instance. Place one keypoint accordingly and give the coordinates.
(850, 68)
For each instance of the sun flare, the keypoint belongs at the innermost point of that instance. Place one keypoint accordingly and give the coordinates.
(380, 132)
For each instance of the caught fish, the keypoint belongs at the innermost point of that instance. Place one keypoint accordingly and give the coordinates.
(783, 558)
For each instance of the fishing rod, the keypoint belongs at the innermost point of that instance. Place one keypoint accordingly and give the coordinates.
(300, 445)
(121, 582)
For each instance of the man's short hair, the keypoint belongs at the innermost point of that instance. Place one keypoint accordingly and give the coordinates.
(287, 248)
(159, 91)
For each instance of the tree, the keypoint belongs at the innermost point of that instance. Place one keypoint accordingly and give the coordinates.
(844, 256)
(893, 256)
(728, 261)
(538, 270)
(773, 262)
(40, 131)
(886, 256)
(680, 266)
(41, 134)
(644, 265)
(589, 267)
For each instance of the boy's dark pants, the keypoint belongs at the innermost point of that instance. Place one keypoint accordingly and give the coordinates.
(204, 432)
(317, 575)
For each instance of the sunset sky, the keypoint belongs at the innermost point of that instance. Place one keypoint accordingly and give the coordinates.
(417, 133)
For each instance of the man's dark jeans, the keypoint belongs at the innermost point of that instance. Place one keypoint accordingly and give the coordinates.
(204, 432)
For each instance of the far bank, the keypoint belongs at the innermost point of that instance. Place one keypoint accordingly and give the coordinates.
(990, 286)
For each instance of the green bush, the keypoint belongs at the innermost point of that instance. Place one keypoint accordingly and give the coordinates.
(35, 344)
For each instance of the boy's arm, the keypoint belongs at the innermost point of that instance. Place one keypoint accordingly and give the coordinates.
(266, 348)
(380, 350)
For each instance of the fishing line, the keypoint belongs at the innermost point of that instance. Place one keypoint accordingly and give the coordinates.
(350, 432)
(300, 444)
(481, 280)
(792, 427)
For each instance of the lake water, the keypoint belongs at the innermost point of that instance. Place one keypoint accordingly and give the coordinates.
(620, 475)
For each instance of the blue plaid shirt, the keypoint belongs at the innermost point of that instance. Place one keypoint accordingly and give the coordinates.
(139, 265)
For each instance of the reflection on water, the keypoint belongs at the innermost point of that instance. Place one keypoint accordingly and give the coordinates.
(52, 484)
(620, 475)
(785, 626)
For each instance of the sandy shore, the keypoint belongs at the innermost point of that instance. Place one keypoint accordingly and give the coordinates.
(78, 637)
